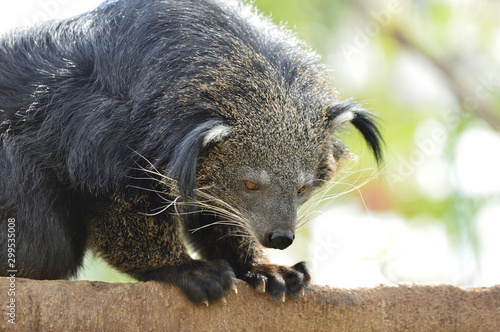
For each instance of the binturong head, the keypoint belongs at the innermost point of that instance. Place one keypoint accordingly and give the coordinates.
(257, 166)
(264, 168)
(258, 119)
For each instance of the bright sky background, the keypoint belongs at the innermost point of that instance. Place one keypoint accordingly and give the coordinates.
(27, 12)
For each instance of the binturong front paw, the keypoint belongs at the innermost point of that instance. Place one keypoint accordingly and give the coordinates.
(203, 282)
(279, 281)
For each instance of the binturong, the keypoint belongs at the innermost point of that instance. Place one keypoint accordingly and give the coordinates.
(144, 126)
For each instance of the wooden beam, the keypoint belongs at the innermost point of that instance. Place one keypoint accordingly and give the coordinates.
(98, 306)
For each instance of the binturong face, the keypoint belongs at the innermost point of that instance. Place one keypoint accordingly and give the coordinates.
(264, 169)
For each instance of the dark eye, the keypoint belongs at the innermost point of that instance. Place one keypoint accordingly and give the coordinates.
(302, 190)
(251, 185)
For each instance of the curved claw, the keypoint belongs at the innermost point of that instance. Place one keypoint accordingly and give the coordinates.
(261, 286)
(279, 281)
(233, 288)
(279, 298)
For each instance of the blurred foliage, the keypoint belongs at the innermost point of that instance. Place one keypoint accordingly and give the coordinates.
(312, 19)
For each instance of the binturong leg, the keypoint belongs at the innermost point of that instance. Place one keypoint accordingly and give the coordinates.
(151, 248)
(231, 243)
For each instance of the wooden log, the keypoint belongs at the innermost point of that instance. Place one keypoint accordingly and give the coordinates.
(153, 306)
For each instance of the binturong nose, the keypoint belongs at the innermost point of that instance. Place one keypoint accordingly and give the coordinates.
(279, 238)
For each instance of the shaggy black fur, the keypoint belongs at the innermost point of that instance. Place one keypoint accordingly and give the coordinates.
(88, 103)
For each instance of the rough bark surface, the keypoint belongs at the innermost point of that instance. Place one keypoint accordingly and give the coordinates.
(152, 306)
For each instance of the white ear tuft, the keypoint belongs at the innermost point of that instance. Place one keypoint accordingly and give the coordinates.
(345, 117)
(216, 134)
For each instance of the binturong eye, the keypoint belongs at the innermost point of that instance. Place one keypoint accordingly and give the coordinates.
(302, 190)
(251, 185)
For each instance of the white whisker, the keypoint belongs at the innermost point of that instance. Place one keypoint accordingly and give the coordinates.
(309, 209)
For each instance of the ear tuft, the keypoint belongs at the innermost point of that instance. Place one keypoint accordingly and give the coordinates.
(366, 124)
(182, 166)
(363, 120)
(216, 134)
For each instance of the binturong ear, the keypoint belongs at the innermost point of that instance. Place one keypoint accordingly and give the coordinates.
(182, 166)
(345, 112)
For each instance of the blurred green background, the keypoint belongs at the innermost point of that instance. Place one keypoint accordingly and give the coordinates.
(430, 70)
